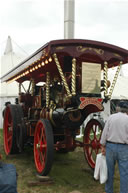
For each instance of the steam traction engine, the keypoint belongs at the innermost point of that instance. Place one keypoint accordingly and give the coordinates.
(59, 87)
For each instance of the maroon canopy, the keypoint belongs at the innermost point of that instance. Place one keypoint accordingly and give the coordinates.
(42, 60)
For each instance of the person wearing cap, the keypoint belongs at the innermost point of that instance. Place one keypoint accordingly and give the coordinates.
(114, 144)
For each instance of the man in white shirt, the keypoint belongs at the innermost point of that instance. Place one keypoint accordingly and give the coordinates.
(114, 141)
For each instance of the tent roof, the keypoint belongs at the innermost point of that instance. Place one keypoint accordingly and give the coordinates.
(12, 56)
(8, 48)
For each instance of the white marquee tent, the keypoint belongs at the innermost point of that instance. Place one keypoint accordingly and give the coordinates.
(9, 60)
(121, 88)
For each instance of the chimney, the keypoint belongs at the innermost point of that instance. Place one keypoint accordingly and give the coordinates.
(69, 12)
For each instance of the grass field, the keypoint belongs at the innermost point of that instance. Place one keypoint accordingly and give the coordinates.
(70, 172)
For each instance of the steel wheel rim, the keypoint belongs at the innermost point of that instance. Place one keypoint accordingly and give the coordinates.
(92, 141)
(8, 131)
(40, 147)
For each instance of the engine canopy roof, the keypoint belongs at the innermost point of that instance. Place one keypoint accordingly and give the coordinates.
(40, 62)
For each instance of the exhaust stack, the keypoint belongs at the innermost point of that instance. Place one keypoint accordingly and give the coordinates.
(69, 13)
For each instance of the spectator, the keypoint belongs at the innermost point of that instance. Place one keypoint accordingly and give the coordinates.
(114, 141)
(8, 178)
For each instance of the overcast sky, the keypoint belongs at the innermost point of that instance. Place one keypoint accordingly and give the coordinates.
(32, 23)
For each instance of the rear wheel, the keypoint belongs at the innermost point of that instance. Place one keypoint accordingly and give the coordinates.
(91, 140)
(43, 147)
(9, 130)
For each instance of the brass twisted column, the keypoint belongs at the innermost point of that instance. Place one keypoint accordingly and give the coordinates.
(105, 78)
(114, 80)
(47, 89)
(73, 76)
(62, 75)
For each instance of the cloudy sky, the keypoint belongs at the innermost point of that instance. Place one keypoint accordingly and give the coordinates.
(32, 23)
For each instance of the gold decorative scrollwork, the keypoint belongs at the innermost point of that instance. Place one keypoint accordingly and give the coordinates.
(98, 51)
(115, 54)
(60, 48)
(83, 49)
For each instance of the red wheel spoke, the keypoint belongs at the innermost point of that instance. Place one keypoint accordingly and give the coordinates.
(43, 137)
(38, 153)
(96, 151)
(41, 158)
(40, 138)
(9, 138)
(91, 150)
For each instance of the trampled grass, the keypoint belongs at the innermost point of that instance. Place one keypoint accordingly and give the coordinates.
(69, 172)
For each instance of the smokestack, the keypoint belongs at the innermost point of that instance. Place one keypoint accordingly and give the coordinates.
(69, 12)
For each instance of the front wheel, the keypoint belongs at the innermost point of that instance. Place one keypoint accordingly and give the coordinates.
(43, 147)
(91, 140)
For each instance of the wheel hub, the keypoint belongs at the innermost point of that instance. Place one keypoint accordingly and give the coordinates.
(40, 146)
(37, 145)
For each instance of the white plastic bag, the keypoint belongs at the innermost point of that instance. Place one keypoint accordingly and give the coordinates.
(100, 172)
(97, 167)
(103, 170)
